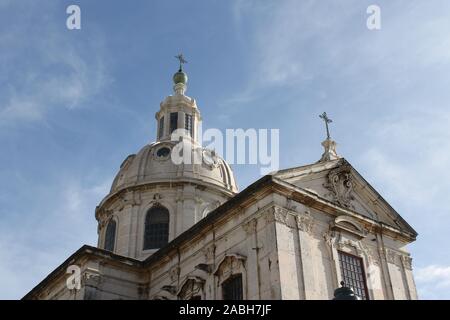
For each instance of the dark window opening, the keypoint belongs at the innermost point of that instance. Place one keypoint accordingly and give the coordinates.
(161, 127)
(353, 275)
(156, 233)
(163, 152)
(173, 121)
(232, 288)
(188, 125)
(110, 235)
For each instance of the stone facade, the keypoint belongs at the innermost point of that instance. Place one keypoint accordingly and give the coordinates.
(283, 239)
(284, 234)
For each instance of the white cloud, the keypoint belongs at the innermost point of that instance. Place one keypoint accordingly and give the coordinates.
(434, 273)
(60, 73)
(433, 282)
(77, 198)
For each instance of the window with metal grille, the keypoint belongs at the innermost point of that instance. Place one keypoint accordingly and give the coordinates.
(353, 275)
(188, 124)
(173, 121)
(156, 233)
(110, 236)
(232, 288)
(161, 127)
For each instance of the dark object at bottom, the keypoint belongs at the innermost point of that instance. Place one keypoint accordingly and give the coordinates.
(345, 293)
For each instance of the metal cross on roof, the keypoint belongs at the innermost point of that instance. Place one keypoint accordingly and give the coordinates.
(181, 59)
(327, 120)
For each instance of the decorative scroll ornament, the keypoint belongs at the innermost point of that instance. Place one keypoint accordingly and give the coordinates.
(302, 221)
(407, 262)
(340, 183)
(281, 215)
(157, 197)
(305, 221)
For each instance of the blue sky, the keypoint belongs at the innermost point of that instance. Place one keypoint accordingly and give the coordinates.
(74, 104)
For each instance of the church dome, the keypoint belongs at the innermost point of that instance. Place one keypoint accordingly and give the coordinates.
(153, 164)
(166, 187)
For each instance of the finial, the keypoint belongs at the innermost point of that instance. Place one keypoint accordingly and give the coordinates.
(180, 78)
(327, 120)
(328, 144)
(182, 61)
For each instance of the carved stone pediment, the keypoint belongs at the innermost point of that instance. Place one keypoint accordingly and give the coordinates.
(232, 263)
(349, 225)
(340, 183)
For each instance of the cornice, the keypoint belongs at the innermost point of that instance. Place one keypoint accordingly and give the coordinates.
(121, 193)
(313, 200)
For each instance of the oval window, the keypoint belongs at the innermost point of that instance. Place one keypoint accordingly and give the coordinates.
(163, 152)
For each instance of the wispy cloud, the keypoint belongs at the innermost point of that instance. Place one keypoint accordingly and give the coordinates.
(44, 73)
(295, 43)
(285, 34)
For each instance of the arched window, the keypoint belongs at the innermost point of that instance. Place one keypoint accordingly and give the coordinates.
(110, 235)
(156, 233)
(231, 277)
